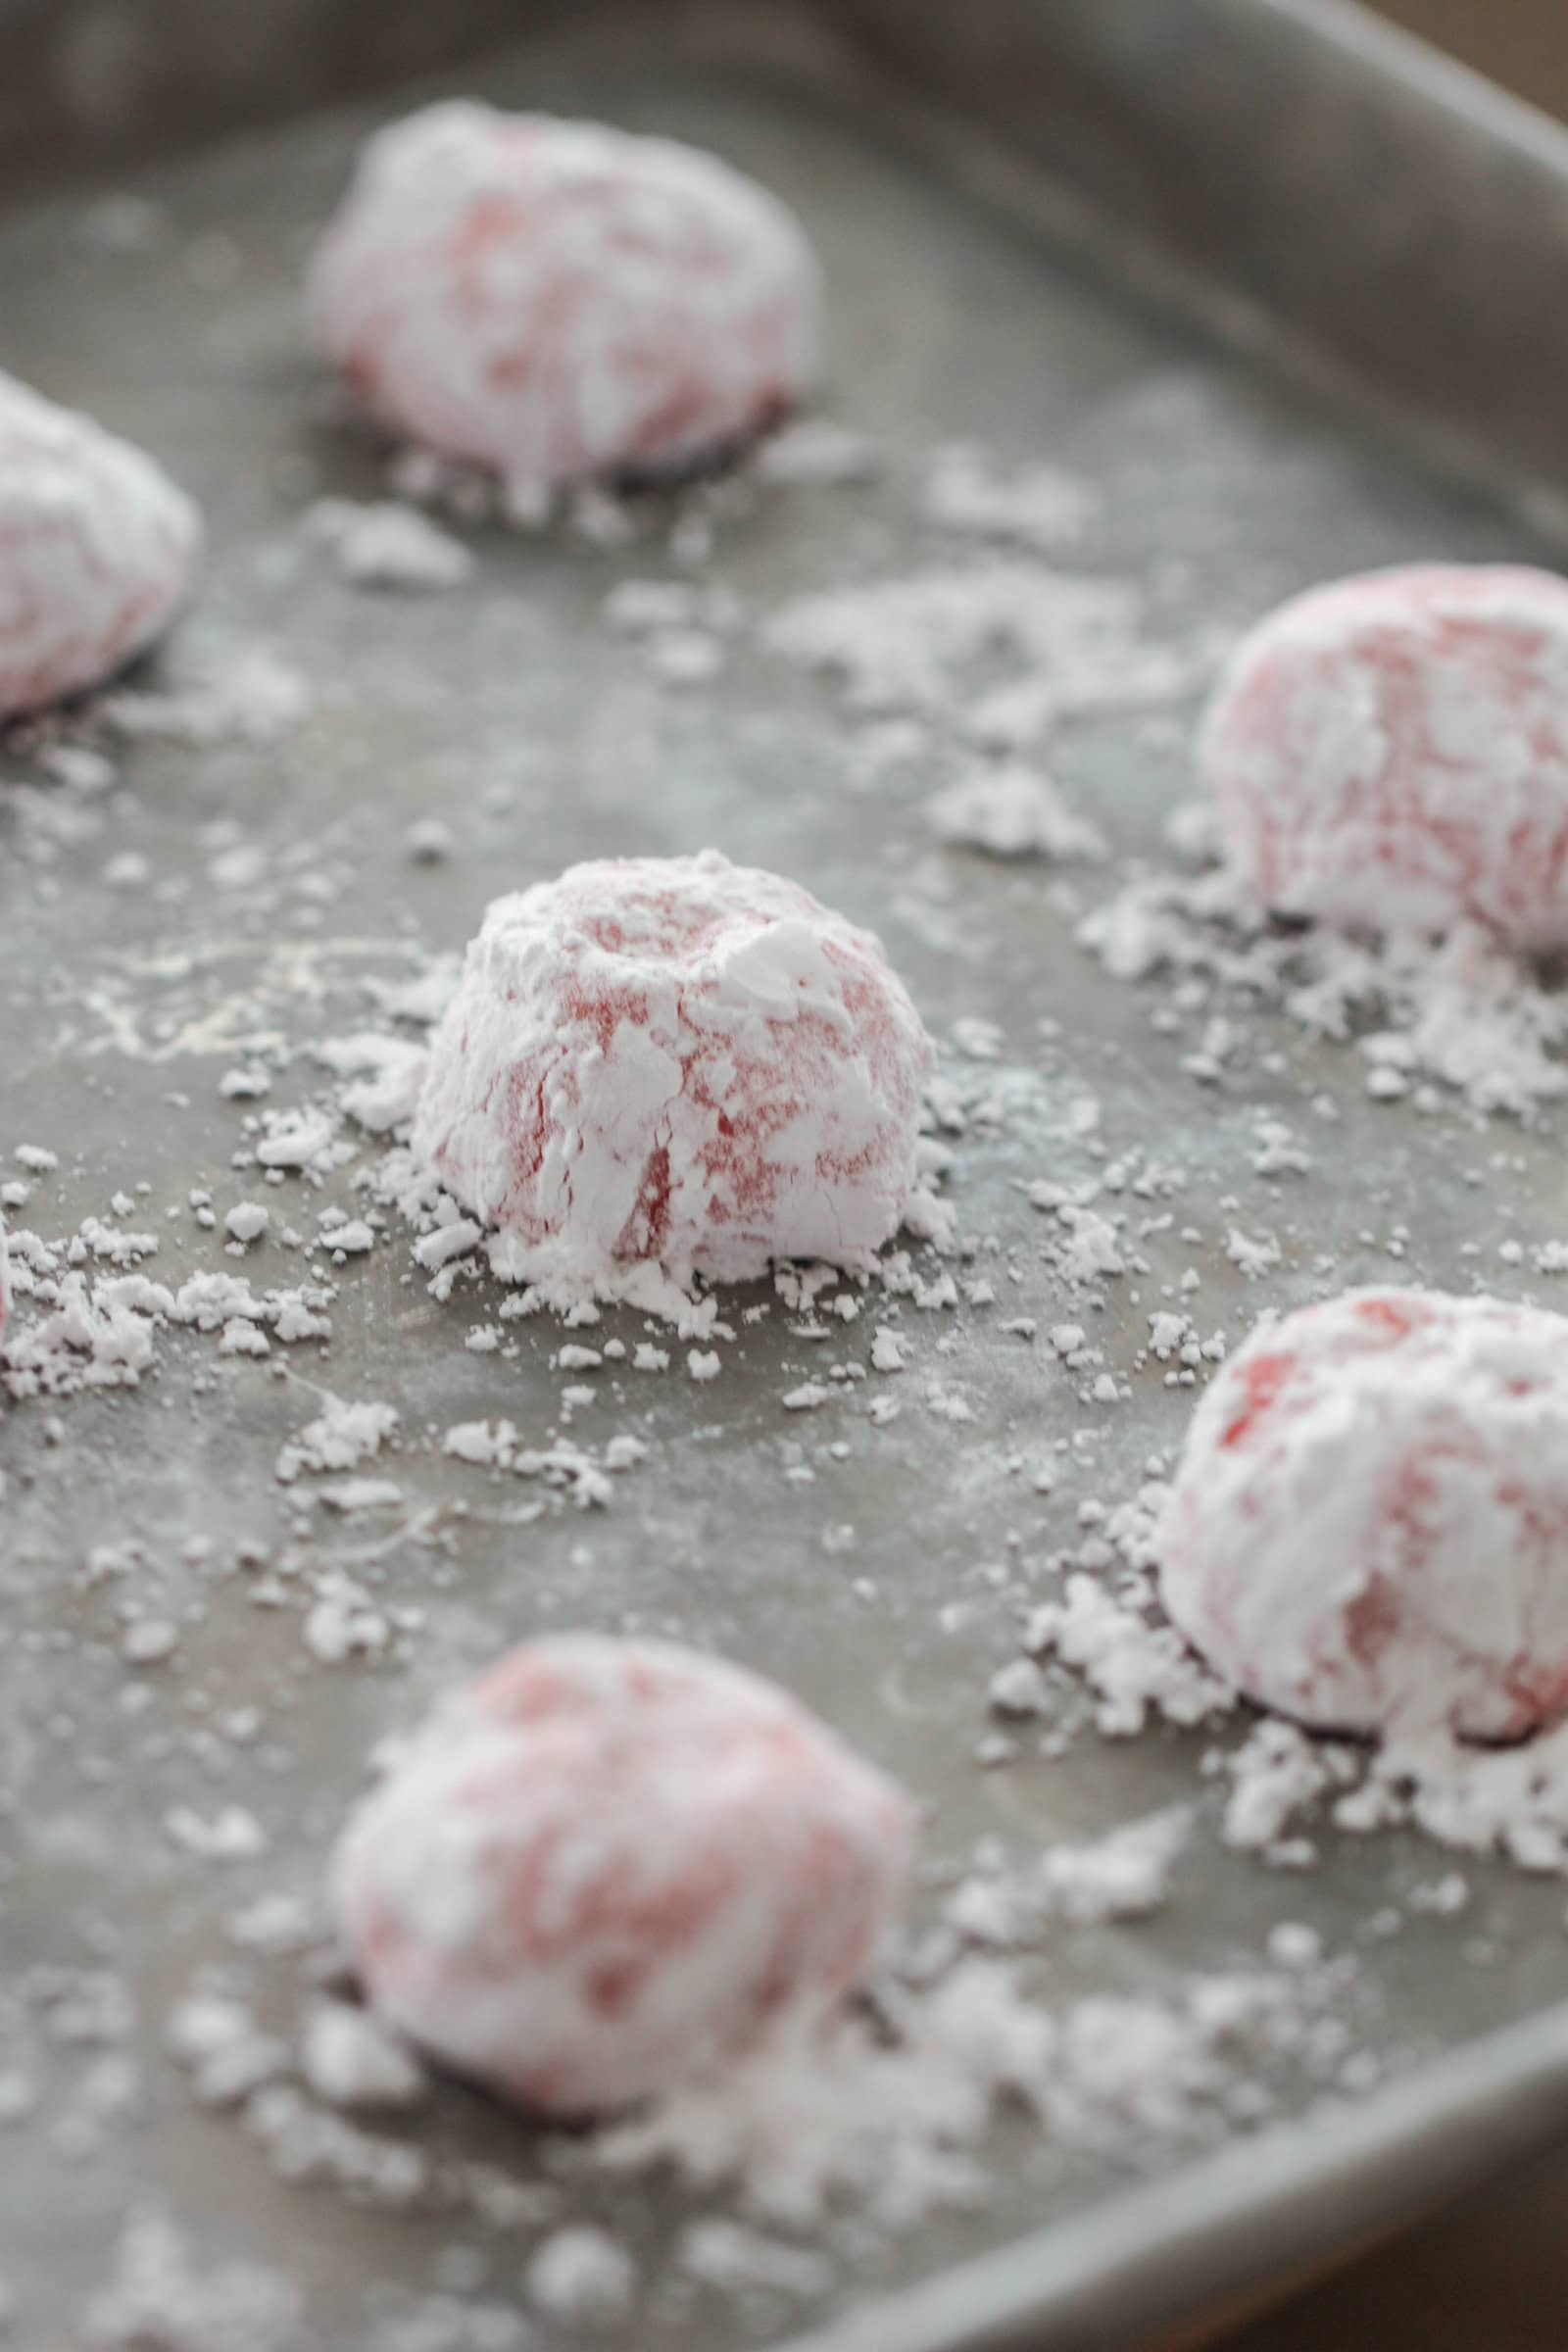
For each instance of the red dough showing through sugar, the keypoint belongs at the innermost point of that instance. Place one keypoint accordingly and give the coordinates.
(1391, 753)
(1368, 1526)
(97, 551)
(557, 300)
(677, 1060)
(606, 1865)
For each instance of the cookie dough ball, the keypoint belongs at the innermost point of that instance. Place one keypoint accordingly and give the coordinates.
(1368, 1528)
(97, 551)
(675, 1060)
(1391, 753)
(606, 1865)
(557, 300)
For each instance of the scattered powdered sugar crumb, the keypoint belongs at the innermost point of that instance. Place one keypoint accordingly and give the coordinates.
(156, 2296)
(340, 1437)
(1132, 1662)
(1125, 1874)
(250, 696)
(230, 1835)
(1460, 1014)
(582, 2276)
(816, 452)
(350, 2059)
(966, 491)
(1013, 812)
(895, 2118)
(737, 2260)
(1073, 645)
(388, 544)
(103, 1333)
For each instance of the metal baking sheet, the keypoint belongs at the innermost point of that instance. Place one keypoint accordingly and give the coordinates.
(966, 303)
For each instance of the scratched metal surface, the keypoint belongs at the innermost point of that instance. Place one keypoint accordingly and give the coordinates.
(118, 1010)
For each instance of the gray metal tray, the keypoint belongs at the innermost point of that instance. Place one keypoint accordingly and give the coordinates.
(1033, 217)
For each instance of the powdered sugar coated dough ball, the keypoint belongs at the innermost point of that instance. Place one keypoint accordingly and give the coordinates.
(1392, 753)
(679, 1060)
(97, 551)
(1368, 1528)
(555, 299)
(606, 1864)
(4, 1281)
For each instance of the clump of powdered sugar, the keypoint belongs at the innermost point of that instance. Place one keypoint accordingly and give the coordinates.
(582, 2276)
(1070, 645)
(340, 1437)
(246, 694)
(1112, 1635)
(157, 2299)
(1461, 1014)
(815, 453)
(896, 2124)
(388, 544)
(967, 492)
(1013, 811)
(102, 1332)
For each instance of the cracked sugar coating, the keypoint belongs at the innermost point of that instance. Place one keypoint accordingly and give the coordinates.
(605, 1864)
(1368, 1528)
(559, 300)
(1391, 753)
(97, 551)
(677, 1060)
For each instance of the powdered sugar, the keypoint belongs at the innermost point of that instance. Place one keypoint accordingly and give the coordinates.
(966, 491)
(583, 2276)
(157, 2296)
(1013, 811)
(97, 1334)
(1072, 645)
(340, 1437)
(897, 2127)
(1461, 1013)
(388, 546)
(350, 2060)
(249, 693)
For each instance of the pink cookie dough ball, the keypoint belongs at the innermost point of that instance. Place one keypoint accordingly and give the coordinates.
(677, 1060)
(605, 1865)
(1391, 753)
(557, 300)
(98, 550)
(1368, 1526)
